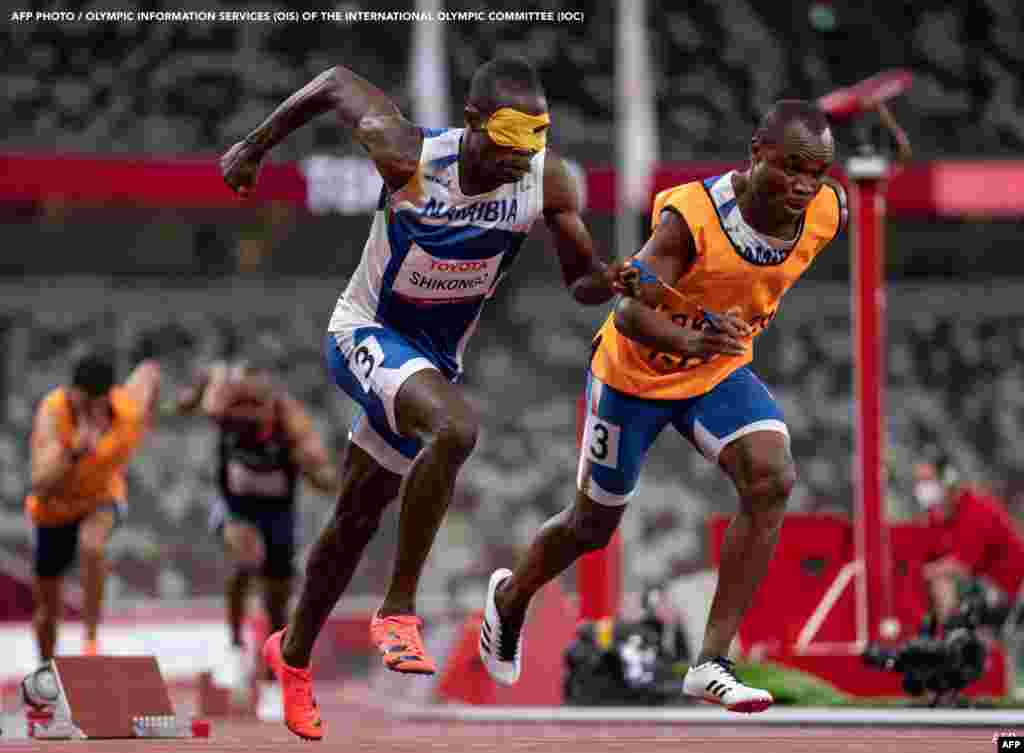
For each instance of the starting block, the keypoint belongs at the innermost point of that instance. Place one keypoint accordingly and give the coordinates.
(103, 697)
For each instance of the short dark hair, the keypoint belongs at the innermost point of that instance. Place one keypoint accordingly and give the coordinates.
(515, 71)
(773, 125)
(93, 373)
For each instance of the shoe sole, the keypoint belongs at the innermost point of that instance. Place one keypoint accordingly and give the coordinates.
(749, 707)
(409, 670)
(743, 707)
(307, 738)
(396, 666)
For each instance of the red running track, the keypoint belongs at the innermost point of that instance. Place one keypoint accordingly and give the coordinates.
(353, 725)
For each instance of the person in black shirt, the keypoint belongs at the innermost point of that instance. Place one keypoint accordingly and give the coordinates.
(267, 440)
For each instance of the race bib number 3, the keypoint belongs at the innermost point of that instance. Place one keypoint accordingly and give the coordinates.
(601, 440)
(366, 357)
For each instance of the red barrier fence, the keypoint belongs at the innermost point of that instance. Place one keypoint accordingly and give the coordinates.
(951, 189)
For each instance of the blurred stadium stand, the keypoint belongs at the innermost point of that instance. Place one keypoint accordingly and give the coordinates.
(955, 378)
(182, 88)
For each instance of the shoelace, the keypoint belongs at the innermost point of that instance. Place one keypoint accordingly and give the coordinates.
(727, 668)
(415, 646)
(411, 642)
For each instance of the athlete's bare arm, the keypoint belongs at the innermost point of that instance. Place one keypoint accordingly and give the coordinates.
(190, 396)
(668, 254)
(217, 392)
(49, 458)
(904, 152)
(308, 450)
(392, 142)
(588, 278)
(143, 386)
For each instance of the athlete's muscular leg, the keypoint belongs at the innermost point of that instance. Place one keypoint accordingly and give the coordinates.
(583, 527)
(430, 407)
(366, 490)
(92, 547)
(276, 592)
(47, 592)
(245, 552)
(762, 470)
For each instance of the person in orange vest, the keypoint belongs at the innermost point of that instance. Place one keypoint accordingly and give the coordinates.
(722, 253)
(83, 436)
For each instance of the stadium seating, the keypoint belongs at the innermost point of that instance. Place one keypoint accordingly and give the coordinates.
(524, 373)
(197, 87)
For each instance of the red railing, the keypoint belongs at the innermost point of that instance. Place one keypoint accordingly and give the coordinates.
(947, 188)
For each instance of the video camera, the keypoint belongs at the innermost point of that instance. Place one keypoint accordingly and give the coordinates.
(614, 662)
(946, 664)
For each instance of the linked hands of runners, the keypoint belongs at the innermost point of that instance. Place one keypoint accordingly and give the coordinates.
(722, 337)
(621, 280)
(650, 325)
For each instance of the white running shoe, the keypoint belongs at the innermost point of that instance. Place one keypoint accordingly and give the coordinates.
(500, 649)
(270, 707)
(235, 673)
(715, 681)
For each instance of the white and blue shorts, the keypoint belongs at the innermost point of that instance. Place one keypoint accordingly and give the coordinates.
(620, 429)
(371, 363)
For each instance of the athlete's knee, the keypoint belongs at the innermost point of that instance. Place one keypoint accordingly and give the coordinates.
(767, 484)
(92, 549)
(763, 471)
(457, 434)
(247, 561)
(591, 529)
(47, 605)
(92, 542)
(244, 547)
(765, 488)
(45, 613)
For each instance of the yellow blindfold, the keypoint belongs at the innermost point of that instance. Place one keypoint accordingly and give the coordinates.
(508, 127)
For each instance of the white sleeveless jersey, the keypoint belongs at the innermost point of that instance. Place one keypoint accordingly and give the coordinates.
(434, 255)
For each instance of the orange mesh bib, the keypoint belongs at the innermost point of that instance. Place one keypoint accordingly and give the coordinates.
(723, 277)
(99, 476)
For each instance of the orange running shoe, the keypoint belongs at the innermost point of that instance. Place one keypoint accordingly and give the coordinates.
(398, 638)
(91, 647)
(301, 714)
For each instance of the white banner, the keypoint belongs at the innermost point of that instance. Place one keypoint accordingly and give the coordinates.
(349, 185)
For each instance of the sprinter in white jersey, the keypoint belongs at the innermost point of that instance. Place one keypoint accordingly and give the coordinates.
(456, 207)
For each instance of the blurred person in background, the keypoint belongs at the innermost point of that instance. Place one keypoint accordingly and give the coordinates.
(456, 206)
(973, 534)
(710, 279)
(267, 440)
(83, 436)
